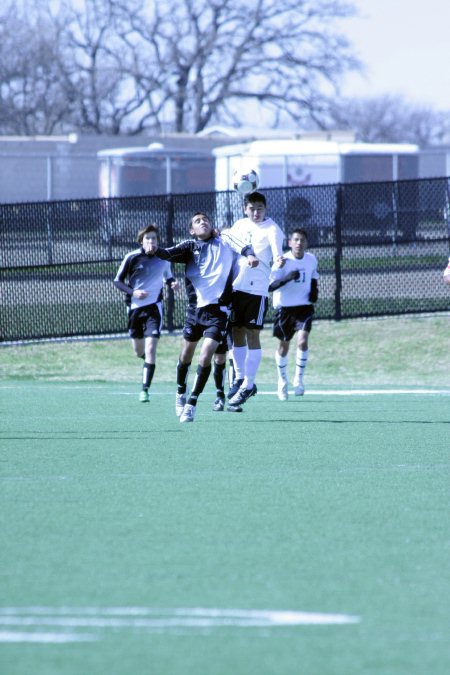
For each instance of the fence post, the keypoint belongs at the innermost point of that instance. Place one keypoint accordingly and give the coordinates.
(49, 199)
(338, 254)
(49, 214)
(169, 235)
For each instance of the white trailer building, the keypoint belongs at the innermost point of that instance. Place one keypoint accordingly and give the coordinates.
(290, 163)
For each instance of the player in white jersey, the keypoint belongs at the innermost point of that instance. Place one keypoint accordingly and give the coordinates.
(250, 293)
(295, 289)
(447, 273)
(141, 276)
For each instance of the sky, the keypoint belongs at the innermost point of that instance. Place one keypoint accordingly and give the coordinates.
(405, 45)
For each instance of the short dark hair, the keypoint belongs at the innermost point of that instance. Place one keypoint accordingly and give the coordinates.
(253, 197)
(199, 213)
(151, 227)
(298, 230)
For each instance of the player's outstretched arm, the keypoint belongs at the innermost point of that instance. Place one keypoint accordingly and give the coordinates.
(278, 283)
(179, 253)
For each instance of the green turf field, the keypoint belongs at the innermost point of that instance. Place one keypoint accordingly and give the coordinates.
(307, 537)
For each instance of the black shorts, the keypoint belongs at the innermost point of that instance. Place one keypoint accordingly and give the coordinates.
(209, 321)
(145, 321)
(289, 320)
(248, 310)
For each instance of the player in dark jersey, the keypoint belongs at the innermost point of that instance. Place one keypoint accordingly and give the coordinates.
(208, 264)
(141, 276)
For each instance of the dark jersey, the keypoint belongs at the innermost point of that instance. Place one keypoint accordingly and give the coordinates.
(146, 272)
(208, 269)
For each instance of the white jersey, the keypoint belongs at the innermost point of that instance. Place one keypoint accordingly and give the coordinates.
(266, 239)
(295, 292)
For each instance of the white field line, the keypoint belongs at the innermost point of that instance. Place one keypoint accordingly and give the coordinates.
(327, 392)
(16, 620)
(46, 638)
(314, 392)
(363, 392)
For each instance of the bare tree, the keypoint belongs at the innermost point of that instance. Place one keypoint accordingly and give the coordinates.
(124, 66)
(100, 95)
(31, 100)
(391, 119)
(221, 60)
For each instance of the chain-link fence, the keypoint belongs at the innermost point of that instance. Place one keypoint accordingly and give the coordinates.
(381, 249)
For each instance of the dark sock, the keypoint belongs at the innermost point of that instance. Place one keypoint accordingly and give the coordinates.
(201, 379)
(219, 378)
(148, 370)
(182, 375)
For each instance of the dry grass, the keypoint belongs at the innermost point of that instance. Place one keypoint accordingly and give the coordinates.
(412, 350)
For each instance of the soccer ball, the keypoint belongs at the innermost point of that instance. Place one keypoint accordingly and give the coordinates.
(245, 182)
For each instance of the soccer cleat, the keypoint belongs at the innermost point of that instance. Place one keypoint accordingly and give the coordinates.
(219, 404)
(283, 390)
(188, 413)
(242, 396)
(234, 408)
(144, 396)
(180, 402)
(234, 388)
(299, 389)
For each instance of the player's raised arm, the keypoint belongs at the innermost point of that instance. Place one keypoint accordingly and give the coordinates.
(240, 247)
(180, 253)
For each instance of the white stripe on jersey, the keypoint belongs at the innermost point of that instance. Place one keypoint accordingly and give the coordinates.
(145, 273)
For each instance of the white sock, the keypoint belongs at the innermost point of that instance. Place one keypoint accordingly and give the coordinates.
(251, 367)
(281, 362)
(239, 356)
(300, 364)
